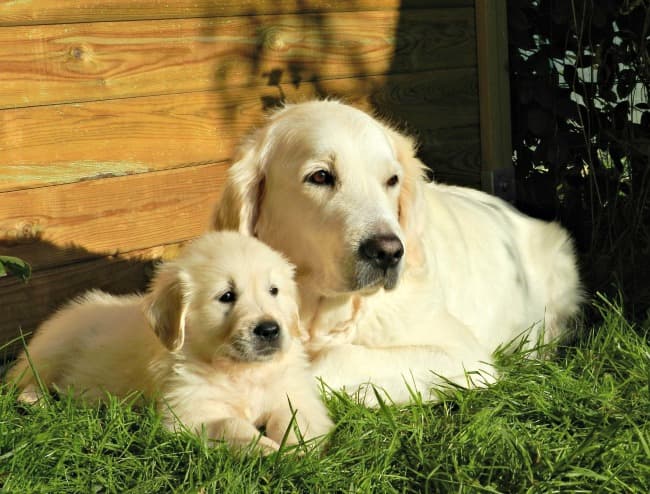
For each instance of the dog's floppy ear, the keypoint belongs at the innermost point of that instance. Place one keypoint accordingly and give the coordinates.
(240, 201)
(165, 307)
(410, 199)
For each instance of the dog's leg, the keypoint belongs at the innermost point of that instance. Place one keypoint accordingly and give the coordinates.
(280, 424)
(239, 433)
(307, 413)
(28, 380)
(397, 372)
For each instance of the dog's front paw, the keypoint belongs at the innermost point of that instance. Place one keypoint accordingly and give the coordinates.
(31, 395)
(266, 445)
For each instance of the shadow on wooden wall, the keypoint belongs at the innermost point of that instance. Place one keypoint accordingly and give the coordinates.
(438, 101)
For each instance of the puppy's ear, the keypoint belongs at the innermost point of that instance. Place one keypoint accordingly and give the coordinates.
(410, 199)
(165, 307)
(239, 206)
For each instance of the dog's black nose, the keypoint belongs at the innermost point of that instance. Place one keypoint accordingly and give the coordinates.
(267, 330)
(384, 251)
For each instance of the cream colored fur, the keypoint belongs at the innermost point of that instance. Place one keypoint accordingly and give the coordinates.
(476, 273)
(182, 345)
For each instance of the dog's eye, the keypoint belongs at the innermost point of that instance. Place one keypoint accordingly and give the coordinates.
(273, 290)
(392, 181)
(228, 298)
(321, 178)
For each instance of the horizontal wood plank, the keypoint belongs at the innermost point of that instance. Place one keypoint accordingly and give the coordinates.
(28, 12)
(66, 143)
(45, 65)
(453, 155)
(50, 226)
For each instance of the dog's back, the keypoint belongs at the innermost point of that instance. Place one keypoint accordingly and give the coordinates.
(96, 344)
(530, 262)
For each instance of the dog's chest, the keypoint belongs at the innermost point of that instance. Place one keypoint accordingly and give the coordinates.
(250, 395)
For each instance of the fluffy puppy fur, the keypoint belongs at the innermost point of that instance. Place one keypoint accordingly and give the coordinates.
(215, 341)
(400, 280)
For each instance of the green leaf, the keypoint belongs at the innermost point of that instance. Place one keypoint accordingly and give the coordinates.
(15, 266)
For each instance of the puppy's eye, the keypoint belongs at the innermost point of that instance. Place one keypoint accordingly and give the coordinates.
(273, 290)
(321, 178)
(228, 298)
(392, 181)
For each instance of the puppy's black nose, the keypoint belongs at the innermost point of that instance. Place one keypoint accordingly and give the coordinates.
(267, 330)
(384, 251)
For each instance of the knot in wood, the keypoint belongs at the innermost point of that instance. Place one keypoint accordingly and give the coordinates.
(77, 52)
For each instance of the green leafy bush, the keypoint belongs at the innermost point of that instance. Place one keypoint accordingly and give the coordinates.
(580, 79)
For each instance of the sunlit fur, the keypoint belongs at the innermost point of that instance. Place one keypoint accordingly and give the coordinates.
(196, 355)
(476, 273)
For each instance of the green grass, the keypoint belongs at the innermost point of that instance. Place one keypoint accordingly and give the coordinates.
(576, 423)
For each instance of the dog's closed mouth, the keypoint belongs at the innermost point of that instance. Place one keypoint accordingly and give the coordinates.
(391, 277)
(370, 278)
(267, 351)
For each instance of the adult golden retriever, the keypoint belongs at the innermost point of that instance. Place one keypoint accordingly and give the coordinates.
(215, 341)
(401, 282)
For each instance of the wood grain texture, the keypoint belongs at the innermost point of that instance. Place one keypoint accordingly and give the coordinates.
(50, 226)
(44, 65)
(66, 143)
(26, 12)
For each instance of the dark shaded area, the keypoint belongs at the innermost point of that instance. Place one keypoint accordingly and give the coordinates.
(442, 117)
(580, 75)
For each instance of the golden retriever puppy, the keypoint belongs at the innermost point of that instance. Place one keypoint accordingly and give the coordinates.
(215, 341)
(401, 282)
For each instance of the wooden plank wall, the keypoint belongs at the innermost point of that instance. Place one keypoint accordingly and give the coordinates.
(118, 117)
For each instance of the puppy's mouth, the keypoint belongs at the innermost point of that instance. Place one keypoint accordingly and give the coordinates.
(259, 343)
(378, 263)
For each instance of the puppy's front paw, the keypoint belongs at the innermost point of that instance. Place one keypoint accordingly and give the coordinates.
(31, 395)
(266, 445)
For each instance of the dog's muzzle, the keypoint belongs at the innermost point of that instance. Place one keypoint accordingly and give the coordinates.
(379, 261)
